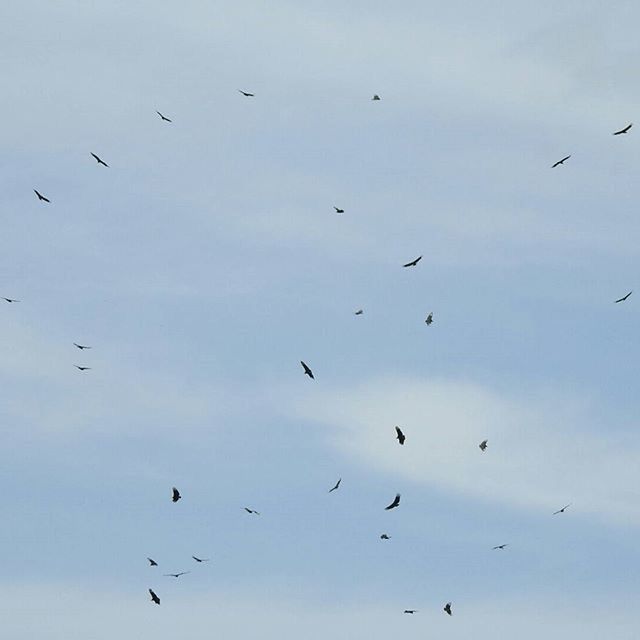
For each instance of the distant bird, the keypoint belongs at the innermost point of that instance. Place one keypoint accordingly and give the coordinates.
(338, 210)
(553, 166)
(616, 302)
(307, 371)
(245, 94)
(10, 300)
(251, 511)
(500, 546)
(413, 263)
(384, 536)
(562, 510)
(447, 608)
(175, 575)
(483, 445)
(400, 437)
(81, 346)
(175, 495)
(200, 559)
(99, 161)
(77, 366)
(40, 196)
(429, 319)
(163, 117)
(625, 130)
(152, 562)
(154, 597)
(359, 312)
(337, 484)
(410, 611)
(394, 504)
(375, 97)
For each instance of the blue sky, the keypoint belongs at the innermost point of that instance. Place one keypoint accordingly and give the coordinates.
(207, 261)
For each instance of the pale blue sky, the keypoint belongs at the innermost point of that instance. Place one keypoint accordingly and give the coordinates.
(207, 261)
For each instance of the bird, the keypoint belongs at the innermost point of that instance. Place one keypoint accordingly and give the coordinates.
(400, 437)
(337, 484)
(410, 611)
(384, 536)
(500, 546)
(152, 562)
(10, 300)
(429, 319)
(200, 559)
(376, 97)
(99, 160)
(338, 210)
(447, 608)
(77, 366)
(175, 575)
(394, 504)
(553, 166)
(154, 597)
(413, 263)
(483, 445)
(40, 196)
(625, 130)
(81, 346)
(562, 510)
(251, 511)
(175, 495)
(359, 312)
(307, 371)
(616, 302)
(245, 94)
(164, 117)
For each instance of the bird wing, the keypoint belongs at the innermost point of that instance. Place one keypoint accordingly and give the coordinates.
(395, 503)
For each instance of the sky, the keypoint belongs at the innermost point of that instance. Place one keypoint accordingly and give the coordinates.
(207, 261)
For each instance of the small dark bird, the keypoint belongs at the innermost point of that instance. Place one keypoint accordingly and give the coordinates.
(483, 445)
(553, 166)
(175, 495)
(359, 312)
(200, 559)
(81, 346)
(384, 536)
(447, 608)
(429, 319)
(152, 562)
(40, 196)
(500, 546)
(375, 97)
(247, 95)
(562, 510)
(625, 130)
(337, 484)
(175, 575)
(99, 160)
(413, 263)
(338, 210)
(410, 611)
(77, 366)
(10, 300)
(163, 117)
(154, 597)
(616, 302)
(251, 511)
(400, 437)
(394, 504)
(307, 371)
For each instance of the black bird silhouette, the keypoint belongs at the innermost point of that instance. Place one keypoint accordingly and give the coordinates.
(618, 300)
(337, 484)
(500, 546)
(200, 559)
(164, 117)
(359, 312)
(400, 437)
(447, 608)
(10, 300)
(40, 196)
(384, 536)
(553, 166)
(175, 575)
(562, 510)
(375, 97)
(251, 511)
(175, 495)
(394, 504)
(99, 161)
(483, 445)
(429, 319)
(338, 210)
(413, 263)
(152, 562)
(77, 366)
(81, 346)
(307, 371)
(625, 130)
(410, 611)
(154, 597)
(247, 95)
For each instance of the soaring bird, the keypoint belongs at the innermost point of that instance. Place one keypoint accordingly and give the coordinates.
(40, 196)
(500, 546)
(429, 319)
(81, 346)
(384, 536)
(245, 94)
(413, 263)
(375, 97)
(163, 117)
(447, 608)
(152, 562)
(175, 495)
(175, 575)
(483, 445)
(400, 437)
(338, 209)
(99, 161)
(251, 511)
(566, 506)
(77, 366)
(307, 371)
(616, 301)
(154, 597)
(394, 504)
(359, 312)
(200, 559)
(553, 166)
(625, 130)
(337, 484)
(10, 300)
(410, 611)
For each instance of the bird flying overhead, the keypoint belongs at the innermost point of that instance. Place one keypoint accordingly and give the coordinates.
(359, 312)
(618, 300)
(175, 495)
(163, 117)
(553, 166)
(625, 130)
(394, 504)
(81, 346)
(40, 196)
(200, 559)
(400, 437)
(413, 263)
(410, 611)
(337, 484)
(10, 300)
(77, 366)
(175, 575)
(338, 210)
(447, 608)
(429, 319)
(245, 94)
(307, 371)
(376, 97)
(500, 546)
(98, 160)
(154, 597)
(483, 445)
(251, 511)
(566, 506)
(384, 536)
(152, 562)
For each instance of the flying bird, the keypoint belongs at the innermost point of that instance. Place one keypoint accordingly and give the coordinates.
(413, 263)
(163, 117)
(400, 437)
(175, 575)
(625, 130)
(616, 302)
(447, 608)
(384, 536)
(200, 559)
(429, 319)
(410, 611)
(375, 97)
(338, 210)
(251, 511)
(10, 300)
(483, 445)
(307, 371)
(154, 597)
(40, 196)
(359, 312)
(553, 166)
(394, 504)
(152, 562)
(337, 484)
(99, 161)
(81, 346)
(175, 495)
(500, 546)
(562, 510)
(77, 366)
(245, 94)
